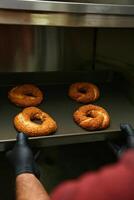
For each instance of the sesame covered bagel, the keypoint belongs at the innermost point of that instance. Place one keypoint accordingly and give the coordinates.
(91, 117)
(84, 92)
(25, 95)
(34, 122)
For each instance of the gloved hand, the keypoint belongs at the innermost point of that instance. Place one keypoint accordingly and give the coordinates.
(128, 133)
(21, 157)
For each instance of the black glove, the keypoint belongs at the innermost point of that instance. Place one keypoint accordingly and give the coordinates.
(21, 157)
(128, 133)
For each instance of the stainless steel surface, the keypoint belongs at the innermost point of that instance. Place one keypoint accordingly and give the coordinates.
(65, 19)
(32, 49)
(29, 49)
(121, 2)
(68, 7)
(61, 108)
(41, 49)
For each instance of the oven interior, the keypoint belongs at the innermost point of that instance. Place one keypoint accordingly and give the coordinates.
(53, 58)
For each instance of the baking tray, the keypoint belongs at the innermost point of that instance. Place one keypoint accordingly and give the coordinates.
(61, 107)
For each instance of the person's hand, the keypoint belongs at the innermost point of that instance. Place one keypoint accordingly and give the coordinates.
(129, 133)
(21, 157)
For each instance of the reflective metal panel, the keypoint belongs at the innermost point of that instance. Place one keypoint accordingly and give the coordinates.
(25, 48)
(65, 19)
(116, 2)
(36, 48)
(69, 7)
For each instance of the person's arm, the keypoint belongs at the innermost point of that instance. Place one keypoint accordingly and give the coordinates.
(28, 187)
(115, 182)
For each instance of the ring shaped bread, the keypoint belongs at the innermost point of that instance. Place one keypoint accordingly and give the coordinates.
(84, 92)
(92, 117)
(25, 95)
(26, 122)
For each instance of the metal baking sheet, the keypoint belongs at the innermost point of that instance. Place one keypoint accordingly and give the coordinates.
(61, 107)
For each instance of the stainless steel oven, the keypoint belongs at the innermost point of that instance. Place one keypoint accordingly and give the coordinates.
(55, 43)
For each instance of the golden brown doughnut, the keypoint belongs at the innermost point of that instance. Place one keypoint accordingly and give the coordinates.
(84, 92)
(92, 117)
(25, 122)
(25, 95)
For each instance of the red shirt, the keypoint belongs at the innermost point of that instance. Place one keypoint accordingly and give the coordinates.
(115, 182)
